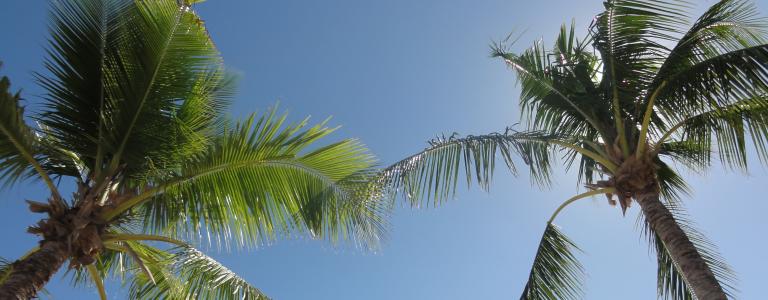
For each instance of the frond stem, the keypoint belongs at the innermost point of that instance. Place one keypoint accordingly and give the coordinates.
(580, 196)
(622, 135)
(647, 120)
(97, 280)
(141, 237)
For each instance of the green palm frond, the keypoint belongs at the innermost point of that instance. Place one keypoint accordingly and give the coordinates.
(257, 181)
(556, 273)
(670, 281)
(726, 26)
(133, 83)
(557, 86)
(715, 83)
(20, 152)
(187, 273)
(672, 186)
(629, 36)
(433, 174)
(730, 128)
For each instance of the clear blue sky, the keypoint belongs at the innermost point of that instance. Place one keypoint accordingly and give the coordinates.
(395, 74)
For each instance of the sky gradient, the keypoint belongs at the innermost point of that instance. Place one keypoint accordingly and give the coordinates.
(396, 74)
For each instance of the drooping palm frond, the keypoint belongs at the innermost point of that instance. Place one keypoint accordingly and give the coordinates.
(433, 174)
(187, 273)
(672, 186)
(133, 84)
(730, 128)
(20, 153)
(718, 62)
(257, 181)
(556, 273)
(670, 281)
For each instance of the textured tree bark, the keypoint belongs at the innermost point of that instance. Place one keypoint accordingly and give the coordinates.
(30, 274)
(693, 267)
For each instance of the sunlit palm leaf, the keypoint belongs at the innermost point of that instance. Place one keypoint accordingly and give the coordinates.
(137, 83)
(434, 173)
(556, 273)
(256, 181)
(186, 273)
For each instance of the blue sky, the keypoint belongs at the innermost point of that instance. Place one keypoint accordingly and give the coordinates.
(396, 74)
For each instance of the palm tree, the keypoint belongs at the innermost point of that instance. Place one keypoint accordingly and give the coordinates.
(643, 90)
(133, 121)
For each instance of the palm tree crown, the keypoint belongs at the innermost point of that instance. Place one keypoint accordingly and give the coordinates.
(644, 89)
(134, 118)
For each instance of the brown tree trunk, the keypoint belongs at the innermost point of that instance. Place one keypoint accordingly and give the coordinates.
(31, 273)
(693, 267)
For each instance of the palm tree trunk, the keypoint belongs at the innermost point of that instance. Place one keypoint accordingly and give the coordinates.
(693, 267)
(31, 273)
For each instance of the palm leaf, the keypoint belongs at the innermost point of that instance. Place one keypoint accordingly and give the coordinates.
(132, 83)
(629, 36)
(557, 86)
(730, 128)
(433, 174)
(256, 181)
(186, 273)
(556, 273)
(726, 26)
(20, 153)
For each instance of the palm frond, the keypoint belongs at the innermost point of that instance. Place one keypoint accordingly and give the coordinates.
(433, 174)
(726, 26)
(187, 273)
(556, 273)
(256, 181)
(557, 86)
(730, 128)
(629, 36)
(20, 153)
(672, 186)
(97, 280)
(133, 83)
(670, 281)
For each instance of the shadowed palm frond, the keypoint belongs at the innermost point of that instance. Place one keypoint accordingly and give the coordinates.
(629, 36)
(20, 152)
(558, 89)
(727, 26)
(556, 273)
(433, 174)
(730, 128)
(672, 185)
(257, 181)
(132, 83)
(670, 281)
